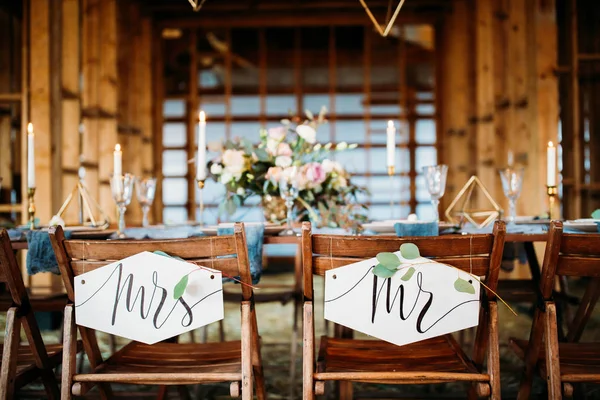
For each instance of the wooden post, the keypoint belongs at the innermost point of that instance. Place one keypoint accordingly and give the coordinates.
(157, 123)
(484, 100)
(40, 106)
(192, 123)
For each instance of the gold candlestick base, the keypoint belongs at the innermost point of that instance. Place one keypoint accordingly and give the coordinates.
(391, 170)
(201, 200)
(552, 192)
(31, 209)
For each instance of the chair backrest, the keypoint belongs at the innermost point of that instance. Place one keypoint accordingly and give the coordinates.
(227, 254)
(10, 273)
(478, 254)
(575, 255)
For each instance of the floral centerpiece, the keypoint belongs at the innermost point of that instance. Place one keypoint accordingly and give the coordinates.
(326, 194)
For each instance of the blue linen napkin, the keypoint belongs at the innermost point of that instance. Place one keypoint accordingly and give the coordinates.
(40, 255)
(408, 229)
(254, 240)
(163, 232)
(15, 234)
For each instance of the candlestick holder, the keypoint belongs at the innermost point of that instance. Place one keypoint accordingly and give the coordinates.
(391, 170)
(201, 200)
(552, 192)
(31, 209)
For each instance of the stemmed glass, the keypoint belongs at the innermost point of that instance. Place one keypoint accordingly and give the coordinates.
(288, 189)
(145, 190)
(512, 183)
(122, 192)
(435, 179)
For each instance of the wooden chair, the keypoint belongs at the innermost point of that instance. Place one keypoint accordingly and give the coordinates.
(433, 360)
(237, 362)
(22, 364)
(568, 362)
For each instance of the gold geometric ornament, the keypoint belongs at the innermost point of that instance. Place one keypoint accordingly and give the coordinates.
(196, 4)
(460, 210)
(378, 26)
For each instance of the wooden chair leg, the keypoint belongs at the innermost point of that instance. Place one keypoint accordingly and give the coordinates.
(221, 331)
(531, 356)
(69, 352)
(552, 359)
(162, 392)
(345, 391)
(8, 370)
(493, 364)
(247, 369)
(308, 352)
(294, 347)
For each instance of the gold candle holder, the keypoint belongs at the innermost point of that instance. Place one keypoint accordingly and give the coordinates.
(552, 192)
(201, 200)
(31, 209)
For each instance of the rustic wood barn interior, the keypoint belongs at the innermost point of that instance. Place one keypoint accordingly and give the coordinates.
(476, 85)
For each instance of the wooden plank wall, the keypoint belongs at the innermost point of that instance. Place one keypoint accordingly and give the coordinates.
(503, 97)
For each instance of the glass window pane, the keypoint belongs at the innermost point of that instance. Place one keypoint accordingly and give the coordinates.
(350, 131)
(281, 105)
(174, 162)
(425, 156)
(389, 109)
(354, 161)
(248, 130)
(314, 102)
(174, 108)
(422, 193)
(384, 190)
(425, 131)
(174, 135)
(174, 215)
(213, 192)
(379, 132)
(174, 191)
(425, 109)
(212, 106)
(245, 105)
(349, 104)
(382, 212)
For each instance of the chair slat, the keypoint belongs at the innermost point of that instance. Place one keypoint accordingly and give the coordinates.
(227, 265)
(478, 265)
(184, 248)
(580, 244)
(369, 246)
(578, 266)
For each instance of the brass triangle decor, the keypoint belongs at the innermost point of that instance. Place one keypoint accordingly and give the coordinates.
(197, 4)
(87, 205)
(460, 211)
(383, 32)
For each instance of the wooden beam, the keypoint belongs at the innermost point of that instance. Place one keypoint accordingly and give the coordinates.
(192, 123)
(157, 123)
(40, 106)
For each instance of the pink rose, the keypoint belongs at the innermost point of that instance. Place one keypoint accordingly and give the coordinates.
(274, 174)
(315, 173)
(284, 149)
(277, 133)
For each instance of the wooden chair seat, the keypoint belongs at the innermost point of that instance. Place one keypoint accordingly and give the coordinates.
(440, 354)
(172, 362)
(579, 362)
(26, 370)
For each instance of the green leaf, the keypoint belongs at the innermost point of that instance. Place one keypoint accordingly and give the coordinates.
(389, 260)
(180, 287)
(463, 286)
(410, 251)
(162, 253)
(230, 206)
(261, 154)
(408, 274)
(383, 272)
(237, 200)
(596, 214)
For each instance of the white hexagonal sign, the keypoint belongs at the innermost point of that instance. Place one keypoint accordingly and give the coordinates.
(148, 297)
(423, 299)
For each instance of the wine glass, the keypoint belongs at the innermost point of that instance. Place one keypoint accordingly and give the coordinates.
(512, 183)
(145, 190)
(288, 189)
(435, 179)
(122, 192)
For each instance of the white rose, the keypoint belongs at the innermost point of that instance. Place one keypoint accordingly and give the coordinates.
(307, 133)
(234, 161)
(272, 145)
(241, 191)
(216, 169)
(328, 166)
(226, 177)
(283, 161)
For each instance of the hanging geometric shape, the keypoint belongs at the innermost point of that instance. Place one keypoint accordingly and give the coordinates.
(461, 210)
(197, 4)
(378, 26)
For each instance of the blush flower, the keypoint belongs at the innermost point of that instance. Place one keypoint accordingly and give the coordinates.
(307, 133)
